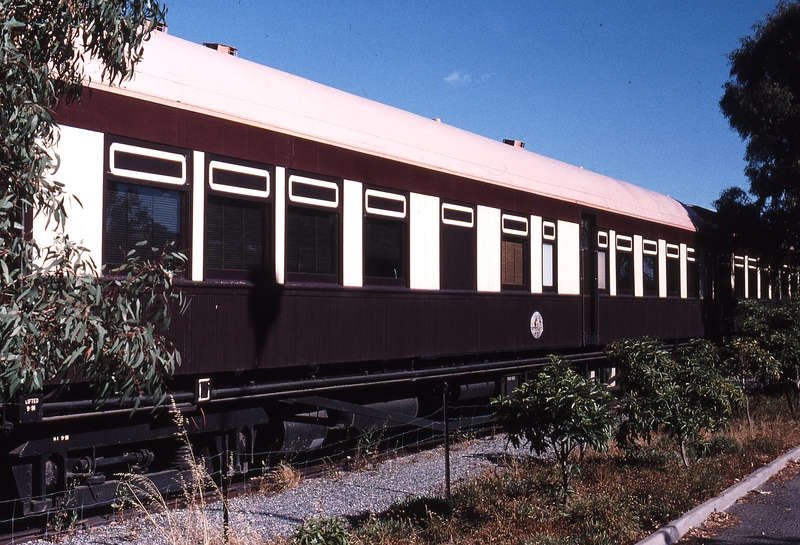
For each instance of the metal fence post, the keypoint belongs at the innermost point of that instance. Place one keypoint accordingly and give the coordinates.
(446, 442)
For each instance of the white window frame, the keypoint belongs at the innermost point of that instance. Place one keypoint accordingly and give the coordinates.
(231, 167)
(673, 251)
(624, 239)
(146, 152)
(293, 179)
(511, 231)
(548, 225)
(458, 208)
(382, 211)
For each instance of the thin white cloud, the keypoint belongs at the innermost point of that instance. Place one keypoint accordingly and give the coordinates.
(456, 78)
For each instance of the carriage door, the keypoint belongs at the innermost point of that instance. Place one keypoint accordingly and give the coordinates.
(589, 280)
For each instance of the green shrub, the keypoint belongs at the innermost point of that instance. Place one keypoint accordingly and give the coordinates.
(682, 396)
(770, 338)
(558, 411)
(324, 531)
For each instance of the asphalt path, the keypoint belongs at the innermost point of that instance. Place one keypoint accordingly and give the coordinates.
(768, 515)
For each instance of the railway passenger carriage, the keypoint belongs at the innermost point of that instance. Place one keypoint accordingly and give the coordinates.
(345, 258)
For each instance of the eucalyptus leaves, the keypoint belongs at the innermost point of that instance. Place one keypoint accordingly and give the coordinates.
(60, 320)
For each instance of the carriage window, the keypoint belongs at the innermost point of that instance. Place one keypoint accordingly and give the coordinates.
(738, 275)
(385, 224)
(384, 249)
(513, 268)
(236, 219)
(624, 265)
(650, 267)
(602, 248)
(458, 248)
(138, 213)
(514, 251)
(312, 230)
(146, 164)
(548, 255)
(673, 270)
(144, 201)
(234, 235)
(311, 240)
(548, 265)
(752, 278)
(601, 270)
(238, 179)
(693, 273)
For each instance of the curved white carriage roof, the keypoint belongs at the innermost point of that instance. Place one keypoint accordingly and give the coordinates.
(189, 76)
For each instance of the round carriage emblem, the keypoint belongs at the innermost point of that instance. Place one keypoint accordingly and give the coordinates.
(537, 325)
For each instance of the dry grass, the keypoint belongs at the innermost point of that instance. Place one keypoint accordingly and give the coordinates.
(279, 479)
(618, 498)
(198, 521)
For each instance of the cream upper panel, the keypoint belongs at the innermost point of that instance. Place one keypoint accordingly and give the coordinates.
(189, 76)
(80, 169)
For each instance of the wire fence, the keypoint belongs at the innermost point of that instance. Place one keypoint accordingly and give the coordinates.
(348, 451)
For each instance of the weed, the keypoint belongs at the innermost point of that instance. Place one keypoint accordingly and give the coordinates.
(421, 511)
(386, 531)
(366, 452)
(197, 523)
(718, 444)
(63, 521)
(547, 539)
(762, 444)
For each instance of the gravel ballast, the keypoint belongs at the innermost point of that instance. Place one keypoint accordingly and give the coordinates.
(362, 492)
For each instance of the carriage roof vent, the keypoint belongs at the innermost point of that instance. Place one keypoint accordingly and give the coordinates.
(515, 143)
(222, 48)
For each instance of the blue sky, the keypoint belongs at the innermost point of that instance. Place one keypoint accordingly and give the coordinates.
(629, 89)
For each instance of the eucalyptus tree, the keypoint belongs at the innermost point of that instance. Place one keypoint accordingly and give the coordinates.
(61, 320)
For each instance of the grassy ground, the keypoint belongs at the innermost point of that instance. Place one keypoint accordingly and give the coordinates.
(618, 499)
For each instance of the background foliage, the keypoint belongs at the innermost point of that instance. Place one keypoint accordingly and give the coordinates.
(770, 334)
(762, 103)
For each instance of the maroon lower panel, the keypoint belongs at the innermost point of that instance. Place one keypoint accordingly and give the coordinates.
(239, 329)
(659, 318)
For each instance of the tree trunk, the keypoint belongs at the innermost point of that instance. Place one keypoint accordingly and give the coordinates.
(564, 482)
(563, 455)
(684, 454)
(747, 410)
(747, 404)
(789, 401)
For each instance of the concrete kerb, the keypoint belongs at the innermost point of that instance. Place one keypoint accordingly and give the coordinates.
(672, 532)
